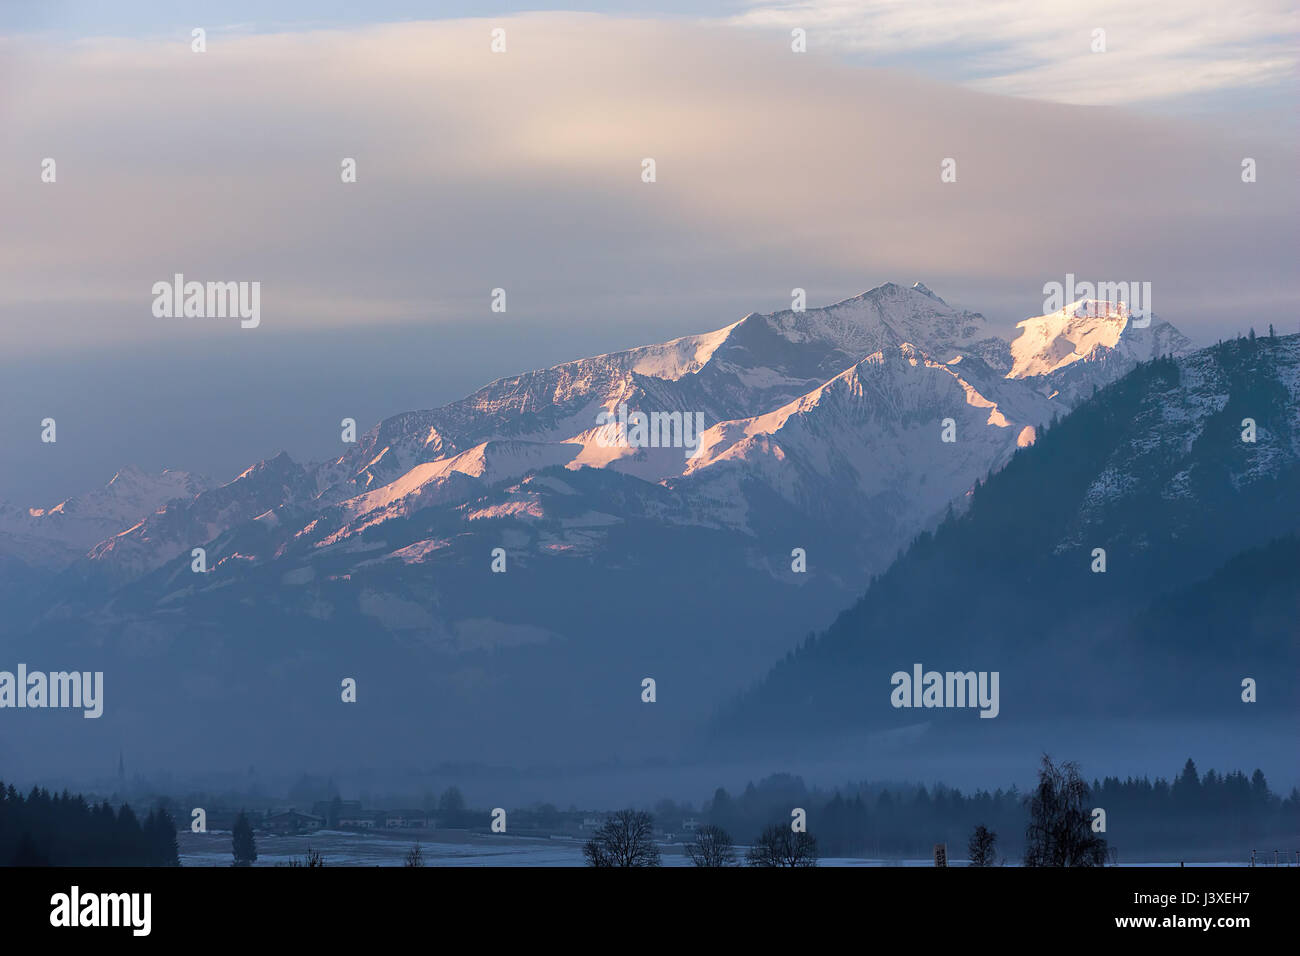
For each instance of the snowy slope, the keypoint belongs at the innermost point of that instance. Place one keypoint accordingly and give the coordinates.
(183, 524)
(1085, 331)
(72, 526)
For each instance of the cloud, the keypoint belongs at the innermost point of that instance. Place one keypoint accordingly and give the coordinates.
(522, 171)
(1153, 51)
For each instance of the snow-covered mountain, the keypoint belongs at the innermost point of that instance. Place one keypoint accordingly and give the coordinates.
(749, 368)
(502, 556)
(190, 522)
(60, 533)
(833, 411)
(1085, 330)
(1062, 351)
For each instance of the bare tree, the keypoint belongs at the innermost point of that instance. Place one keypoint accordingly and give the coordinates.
(1060, 831)
(712, 846)
(314, 858)
(983, 847)
(779, 846)
(415, 856)
(625, 839)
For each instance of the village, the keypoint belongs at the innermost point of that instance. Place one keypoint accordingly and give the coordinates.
(350, 815)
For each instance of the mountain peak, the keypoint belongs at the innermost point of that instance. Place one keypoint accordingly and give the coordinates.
(1079, 329)
(277, 465)
(894, 290)
(924, 290)
(891, 314)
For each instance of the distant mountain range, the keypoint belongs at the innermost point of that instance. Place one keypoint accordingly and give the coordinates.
(57, 536)
(823, 431)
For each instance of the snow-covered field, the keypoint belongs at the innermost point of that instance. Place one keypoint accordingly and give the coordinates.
(453, 848)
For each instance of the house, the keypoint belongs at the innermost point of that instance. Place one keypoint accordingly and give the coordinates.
(398, 819)
(291, 821)
(363, 821)
(333, 812)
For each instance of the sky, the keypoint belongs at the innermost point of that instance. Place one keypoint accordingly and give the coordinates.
(523, 171)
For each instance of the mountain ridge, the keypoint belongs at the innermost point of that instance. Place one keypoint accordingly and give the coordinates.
(743, 372)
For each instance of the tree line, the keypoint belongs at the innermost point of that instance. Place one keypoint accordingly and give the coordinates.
(1060, 832)
(63, 829)
(1227, 811)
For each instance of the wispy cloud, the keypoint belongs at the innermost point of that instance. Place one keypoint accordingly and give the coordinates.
(1044, 50)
